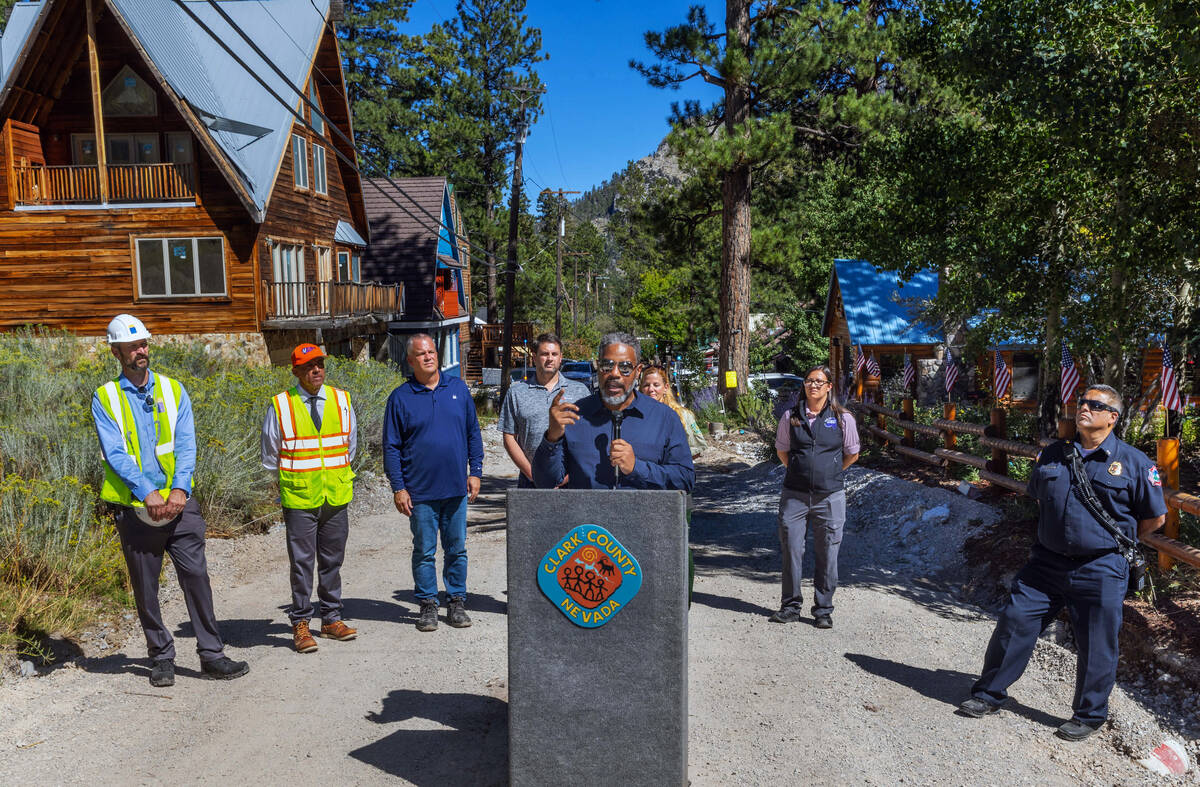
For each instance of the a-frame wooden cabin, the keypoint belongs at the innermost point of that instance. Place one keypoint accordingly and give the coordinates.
(145, 169)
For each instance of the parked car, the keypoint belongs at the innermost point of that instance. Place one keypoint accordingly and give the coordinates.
(778, 384)
(583, 371)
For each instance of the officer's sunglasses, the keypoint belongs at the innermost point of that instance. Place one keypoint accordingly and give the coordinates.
(607, 366)
(148, 403)
(1096, 404)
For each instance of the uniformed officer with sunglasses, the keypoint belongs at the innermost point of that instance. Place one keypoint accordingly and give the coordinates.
(1076, 563)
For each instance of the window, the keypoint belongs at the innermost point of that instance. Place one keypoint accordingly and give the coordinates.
(122, 148)
(180, 267)
(179, 147)
(349, 266)
(317, 123)
(1024, 376)
(128, 95)
(289, 292)
(319, 184)
(299, 161)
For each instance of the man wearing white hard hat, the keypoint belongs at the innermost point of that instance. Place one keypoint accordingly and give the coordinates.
(148, 441)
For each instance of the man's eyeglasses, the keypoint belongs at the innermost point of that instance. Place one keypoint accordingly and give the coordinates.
(816, 383)
(1096, 404)
(607, 366)
(148, 403)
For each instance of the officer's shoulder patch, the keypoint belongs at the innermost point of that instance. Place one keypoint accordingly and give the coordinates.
(1153, 476)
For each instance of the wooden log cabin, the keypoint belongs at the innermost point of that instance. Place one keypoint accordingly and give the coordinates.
(418, 238)
(145, 169)
(873, 309)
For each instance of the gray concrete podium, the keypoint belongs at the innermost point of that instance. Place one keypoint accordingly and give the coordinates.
(597, 637)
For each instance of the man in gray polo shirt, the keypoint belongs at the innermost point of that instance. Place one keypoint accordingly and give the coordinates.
(525, 414)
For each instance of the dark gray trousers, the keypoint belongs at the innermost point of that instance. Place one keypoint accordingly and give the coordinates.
(316, 535)
(827, 515)
(182, 539)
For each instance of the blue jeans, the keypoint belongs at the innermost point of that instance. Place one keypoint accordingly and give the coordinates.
(447, 516)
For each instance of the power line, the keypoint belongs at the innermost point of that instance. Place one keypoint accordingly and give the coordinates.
(299, 117)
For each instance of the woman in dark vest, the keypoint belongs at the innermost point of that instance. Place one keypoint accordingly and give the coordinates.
(816, 441)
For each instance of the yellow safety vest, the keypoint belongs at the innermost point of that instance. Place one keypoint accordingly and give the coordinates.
(314, 464)
(116, 404)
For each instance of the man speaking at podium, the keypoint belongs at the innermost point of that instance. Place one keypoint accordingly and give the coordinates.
(617, 438)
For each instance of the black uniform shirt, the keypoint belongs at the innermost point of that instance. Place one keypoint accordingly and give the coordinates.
(1125, 480)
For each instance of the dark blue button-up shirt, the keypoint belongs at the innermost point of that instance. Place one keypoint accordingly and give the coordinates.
(656, 434)
(430, 435)
(1125, 480)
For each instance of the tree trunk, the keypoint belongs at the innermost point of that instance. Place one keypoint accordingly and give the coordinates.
(735, 219)
(1114, 359)
(1048, 386)
(489, 246)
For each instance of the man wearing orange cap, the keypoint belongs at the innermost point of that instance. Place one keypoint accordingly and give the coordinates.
(309, 436)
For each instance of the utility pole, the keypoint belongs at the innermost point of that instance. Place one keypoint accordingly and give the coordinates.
(575, 297)
(558, 286)
(514, 211)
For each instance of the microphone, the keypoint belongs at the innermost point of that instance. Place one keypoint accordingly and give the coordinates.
(617, 417)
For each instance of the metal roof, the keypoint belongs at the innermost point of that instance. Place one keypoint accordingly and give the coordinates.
(880, 308)
(20, 23)
(211, 80)
(345, 233)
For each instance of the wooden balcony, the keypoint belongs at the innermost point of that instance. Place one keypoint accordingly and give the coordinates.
(322, 302)
(79, 184)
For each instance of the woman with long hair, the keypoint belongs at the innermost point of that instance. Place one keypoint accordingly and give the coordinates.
(657, 385)
(816, 441)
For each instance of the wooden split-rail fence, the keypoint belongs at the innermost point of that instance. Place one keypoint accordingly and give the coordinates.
(994, 469)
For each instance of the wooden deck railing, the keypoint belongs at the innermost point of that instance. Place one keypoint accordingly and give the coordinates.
(994, 470)
(331, 299)
(76, 184)
(493, 333)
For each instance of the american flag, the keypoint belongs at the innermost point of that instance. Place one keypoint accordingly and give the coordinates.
(1070, 376)
(859, 362)
(872, 366)
(910, 373)
(951, 373)
(1002, 376)
(1170, 386)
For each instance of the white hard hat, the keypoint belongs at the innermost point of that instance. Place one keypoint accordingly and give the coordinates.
(126, 328)
(143, 514)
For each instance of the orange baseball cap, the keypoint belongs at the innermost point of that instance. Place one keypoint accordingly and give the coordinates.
(305, 353)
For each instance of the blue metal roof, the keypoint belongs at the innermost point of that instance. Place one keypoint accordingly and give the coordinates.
(211, 81)
(345, 233)
(880, 309)
(20, 23)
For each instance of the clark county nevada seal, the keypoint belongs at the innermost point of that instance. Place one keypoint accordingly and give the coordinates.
(589, 575)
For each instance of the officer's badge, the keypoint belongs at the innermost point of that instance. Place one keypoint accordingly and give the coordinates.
(1154, 479)
(1114, 468)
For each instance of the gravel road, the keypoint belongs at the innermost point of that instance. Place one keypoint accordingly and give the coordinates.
(869, 702)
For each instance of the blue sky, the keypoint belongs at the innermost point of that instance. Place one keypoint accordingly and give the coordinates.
(598, 113)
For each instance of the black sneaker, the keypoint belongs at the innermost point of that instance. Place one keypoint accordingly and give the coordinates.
(786, 615)
(824, 622)
(457, 615)
(428, 619)
(1075, 731)
(976, 708)
(162, 673)
(225, 668)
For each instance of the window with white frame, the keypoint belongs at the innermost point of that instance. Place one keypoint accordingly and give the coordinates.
(299, 162)
(180, 267)
(319, 184)
(349, 266)
(317, 123)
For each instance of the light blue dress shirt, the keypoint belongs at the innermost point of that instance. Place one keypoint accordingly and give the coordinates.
(150, 476)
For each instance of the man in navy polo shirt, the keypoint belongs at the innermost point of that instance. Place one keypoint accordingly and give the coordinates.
(433, 456)
(581, 442)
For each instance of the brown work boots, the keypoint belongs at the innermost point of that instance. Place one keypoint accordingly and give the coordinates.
(336, 629)
(333, 629)
(303, 638)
